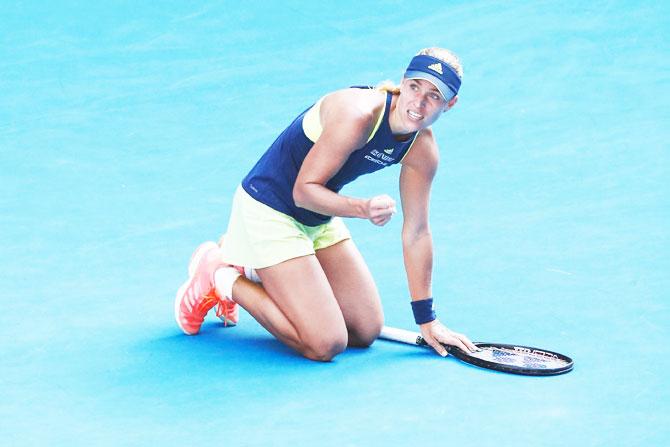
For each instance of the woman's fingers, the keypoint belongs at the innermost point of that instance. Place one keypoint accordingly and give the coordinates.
(381, 209)
(382, 206)
(381, 220)
(382, 202)
(466, 341)
(438, 333)
(454, 341)
(437, 346)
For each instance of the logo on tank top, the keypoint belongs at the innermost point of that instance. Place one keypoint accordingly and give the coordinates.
(436, 67)
(380, 158)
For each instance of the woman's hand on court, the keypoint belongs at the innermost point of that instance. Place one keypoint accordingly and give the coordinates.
(380, 209)
(436, 334)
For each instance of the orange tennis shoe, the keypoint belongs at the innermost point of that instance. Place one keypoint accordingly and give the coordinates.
(198, 294)
(227, 310)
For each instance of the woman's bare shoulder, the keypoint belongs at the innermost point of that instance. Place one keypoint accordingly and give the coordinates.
(354, 102)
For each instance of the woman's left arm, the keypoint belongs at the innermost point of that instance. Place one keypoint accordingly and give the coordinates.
(416, 176)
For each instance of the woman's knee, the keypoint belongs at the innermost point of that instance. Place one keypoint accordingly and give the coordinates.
(325, 347)
(363, 335)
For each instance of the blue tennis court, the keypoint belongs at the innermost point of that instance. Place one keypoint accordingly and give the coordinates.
(125, 128)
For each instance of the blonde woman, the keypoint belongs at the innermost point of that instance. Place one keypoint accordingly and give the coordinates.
(306, 281)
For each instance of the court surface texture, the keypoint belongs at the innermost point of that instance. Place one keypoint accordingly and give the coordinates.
(125, 128)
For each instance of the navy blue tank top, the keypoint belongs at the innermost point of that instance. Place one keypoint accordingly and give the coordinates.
(272, 179)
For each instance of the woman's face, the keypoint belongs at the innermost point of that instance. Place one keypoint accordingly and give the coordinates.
(420, 104)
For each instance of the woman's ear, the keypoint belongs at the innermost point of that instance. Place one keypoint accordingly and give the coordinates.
(452, 102)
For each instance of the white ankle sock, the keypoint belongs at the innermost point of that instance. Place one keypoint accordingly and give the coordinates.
(251, 275)
(224, 278)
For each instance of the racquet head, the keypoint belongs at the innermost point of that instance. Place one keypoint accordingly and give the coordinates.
(515, 359)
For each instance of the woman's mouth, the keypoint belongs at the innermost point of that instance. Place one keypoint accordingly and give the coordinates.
(414, 116)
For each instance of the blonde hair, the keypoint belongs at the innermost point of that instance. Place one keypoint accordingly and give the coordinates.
(446, 56)
(388, 86)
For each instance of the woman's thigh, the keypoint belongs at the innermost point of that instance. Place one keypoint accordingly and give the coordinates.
(300, 289)
(354, 289)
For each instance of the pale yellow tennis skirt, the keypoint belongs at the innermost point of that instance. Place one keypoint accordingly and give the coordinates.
(259, 236)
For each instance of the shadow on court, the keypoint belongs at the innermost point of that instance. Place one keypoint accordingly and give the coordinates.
(253, 350)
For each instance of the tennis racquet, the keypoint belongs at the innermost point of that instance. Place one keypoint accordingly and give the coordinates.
(513, 359)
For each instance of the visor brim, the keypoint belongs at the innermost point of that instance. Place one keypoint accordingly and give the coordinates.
(447, 92)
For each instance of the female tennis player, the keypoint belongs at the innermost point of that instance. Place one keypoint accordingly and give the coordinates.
(287, 257)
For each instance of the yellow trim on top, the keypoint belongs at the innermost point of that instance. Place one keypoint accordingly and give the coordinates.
(311, 122)
(410, 147)
(379, 122)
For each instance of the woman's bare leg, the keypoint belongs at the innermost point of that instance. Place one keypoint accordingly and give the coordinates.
(296, 304)
(355, 291)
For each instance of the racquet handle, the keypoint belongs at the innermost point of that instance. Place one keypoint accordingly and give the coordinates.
(407, 337)
(402, 336)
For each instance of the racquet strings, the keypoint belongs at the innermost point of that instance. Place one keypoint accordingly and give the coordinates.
(512, 357)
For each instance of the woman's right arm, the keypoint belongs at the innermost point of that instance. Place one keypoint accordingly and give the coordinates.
(347, 118)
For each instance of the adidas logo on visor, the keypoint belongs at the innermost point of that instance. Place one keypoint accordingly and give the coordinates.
(436, 67)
